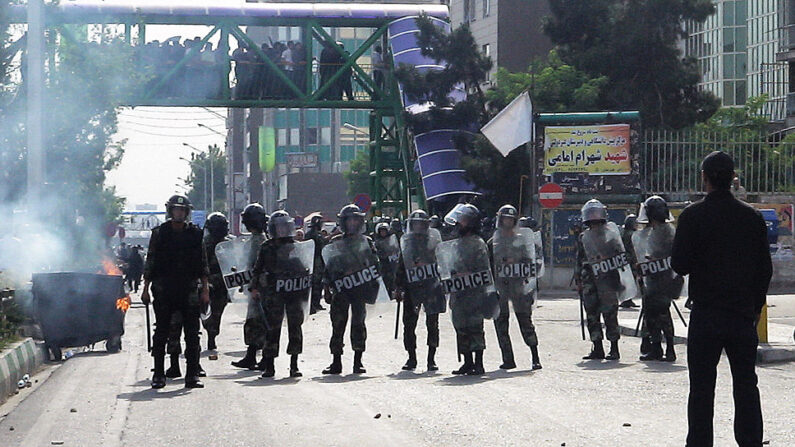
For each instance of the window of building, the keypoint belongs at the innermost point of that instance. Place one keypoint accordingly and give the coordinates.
(486, 8)
(325, 135)
(486, 50)
(295, 137)
(281, 137)
(311, 135)
(728, 93)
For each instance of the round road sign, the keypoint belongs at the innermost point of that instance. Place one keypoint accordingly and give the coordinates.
(363, 201)
(550, 195)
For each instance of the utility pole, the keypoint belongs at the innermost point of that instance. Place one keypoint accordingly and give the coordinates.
(35, 102)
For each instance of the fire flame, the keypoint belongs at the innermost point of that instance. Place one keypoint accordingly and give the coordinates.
(109, 268)
(123, 303)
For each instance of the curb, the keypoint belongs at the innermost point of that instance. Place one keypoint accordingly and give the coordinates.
(23, 357)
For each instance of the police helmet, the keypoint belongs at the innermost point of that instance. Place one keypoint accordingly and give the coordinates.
(464, 215)
(593, 211)
(254, 217)
(281, 225)
(178, 201)
(381, 226)
(507, 211)
(396, 226)
(217, 225)
(435, 222)
(419, 222)
(347, 212)
(528, 222)
(631, 222)
(655, 208)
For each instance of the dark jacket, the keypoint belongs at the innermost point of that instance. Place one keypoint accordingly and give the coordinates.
(176, 255)
(721, 243)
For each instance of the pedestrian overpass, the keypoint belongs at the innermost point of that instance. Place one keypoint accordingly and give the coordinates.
(313, 84)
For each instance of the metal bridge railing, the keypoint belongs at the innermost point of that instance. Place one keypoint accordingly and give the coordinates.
(670, 161)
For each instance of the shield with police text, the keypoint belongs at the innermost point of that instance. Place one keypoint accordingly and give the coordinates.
(234, 258)
(465, 271)
(422, 271)
(653, 246)
(352, 268)
(290, 275)
(539, 239)
(515, 265)
(608, 261)
(388, 251)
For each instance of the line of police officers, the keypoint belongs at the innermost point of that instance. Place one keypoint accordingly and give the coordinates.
(192, 274)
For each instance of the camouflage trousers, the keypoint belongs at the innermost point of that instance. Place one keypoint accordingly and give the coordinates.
(218, 301)
(411, 314)
(174, 345)
(275, 309)
(340, 305)
(526, 327)
(255, 326)
(657, 319)
(468, 323)
(599, 306)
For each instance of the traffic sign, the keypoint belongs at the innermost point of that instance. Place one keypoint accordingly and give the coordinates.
(363, 201)
(550, 195)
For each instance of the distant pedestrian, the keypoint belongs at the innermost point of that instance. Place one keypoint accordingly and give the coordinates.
(722, 244)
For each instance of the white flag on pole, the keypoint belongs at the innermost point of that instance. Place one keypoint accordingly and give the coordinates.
(513, 126)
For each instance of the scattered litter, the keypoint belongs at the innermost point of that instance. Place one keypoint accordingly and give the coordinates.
(26, 377)
(378, 416)
(562, 444)
(21, 384)
(56, 442)
(28, 384)
(389, 416)
(73, 410)
(69, 354)
(627, 424)
(766, 442)
(213, 357)
(10, 428)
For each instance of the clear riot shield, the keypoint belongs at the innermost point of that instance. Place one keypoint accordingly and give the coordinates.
(292, 273)
(422, 271)
(653, 246)
(234, 258)
(388, 251)
(352, 268)
(609, 262)
(539, 240)
(515, 265)
(465, 271)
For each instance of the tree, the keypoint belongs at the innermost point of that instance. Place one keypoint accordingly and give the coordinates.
(634, 44)
(214, 160)
(358, 176)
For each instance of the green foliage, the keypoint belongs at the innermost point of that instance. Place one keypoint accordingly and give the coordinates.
(634, 44)
(216, 161)
(358, 176)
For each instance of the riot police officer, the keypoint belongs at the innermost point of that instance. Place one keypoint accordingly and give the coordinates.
(175, 265)
(417, 285)
(653, 246)
(603, 277)
(281, 279)
(313, 233)
(630, 227)
(388, 249)
(351, 280)
(514, 265)
(216, 229)
(255, 220)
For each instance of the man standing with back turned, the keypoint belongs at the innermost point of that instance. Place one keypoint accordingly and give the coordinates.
(722, 244)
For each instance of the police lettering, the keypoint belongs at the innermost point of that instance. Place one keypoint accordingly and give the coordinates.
(655, 266)
(357, 279)
(515, 270)
(610, 264)
(422, 272)
(393, 259)
(293, 284)
(467, 281)
(237, 279)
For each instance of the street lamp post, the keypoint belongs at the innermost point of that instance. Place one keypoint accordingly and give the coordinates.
(211, 158)
(204, 168)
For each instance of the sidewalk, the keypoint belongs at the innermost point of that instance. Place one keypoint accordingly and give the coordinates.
(21, 358)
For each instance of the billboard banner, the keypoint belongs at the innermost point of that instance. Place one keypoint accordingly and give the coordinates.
(595, 150)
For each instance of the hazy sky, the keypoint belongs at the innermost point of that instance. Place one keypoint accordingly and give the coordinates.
(151, 165)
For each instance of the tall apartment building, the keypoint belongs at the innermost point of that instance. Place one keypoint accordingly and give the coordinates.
(736, 51)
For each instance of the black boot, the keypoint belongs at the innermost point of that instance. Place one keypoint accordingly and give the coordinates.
(431, 359)
(193, 382)
(211, 343)
(645, 345)
(614, 354)
(655, 353)
(268, 370)
(173, 371)
(200, 371)
(467, 366)
(262, 365)
(159, 377)
(358, 368)
(336, 365)
(536, 360)
(411, 363)
(249, 361)
(294, 372)
(508, 362)
(478, 369)
(597, 352)
(670, 355)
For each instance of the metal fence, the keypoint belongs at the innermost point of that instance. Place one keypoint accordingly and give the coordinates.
(670, 161)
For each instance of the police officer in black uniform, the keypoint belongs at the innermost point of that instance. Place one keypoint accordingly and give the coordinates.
(313, 233)
(176, 269)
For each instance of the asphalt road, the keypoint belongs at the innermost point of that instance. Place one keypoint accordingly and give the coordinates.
(99, 399)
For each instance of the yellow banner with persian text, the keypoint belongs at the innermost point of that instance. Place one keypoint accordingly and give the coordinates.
(597, 150)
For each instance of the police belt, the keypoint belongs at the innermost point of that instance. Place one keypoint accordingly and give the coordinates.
(466, 281)
(515, 270)
(614, 263)
(655, 266)
(356, 279)
(422, 273)
(237, 279)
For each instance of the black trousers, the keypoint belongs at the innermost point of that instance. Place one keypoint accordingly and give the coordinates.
(166, 304)
(710, 333)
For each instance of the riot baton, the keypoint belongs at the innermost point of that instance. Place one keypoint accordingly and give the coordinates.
(582, 317)
(148, 330)
(681, 317)
(397, 320)
(640, 319)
